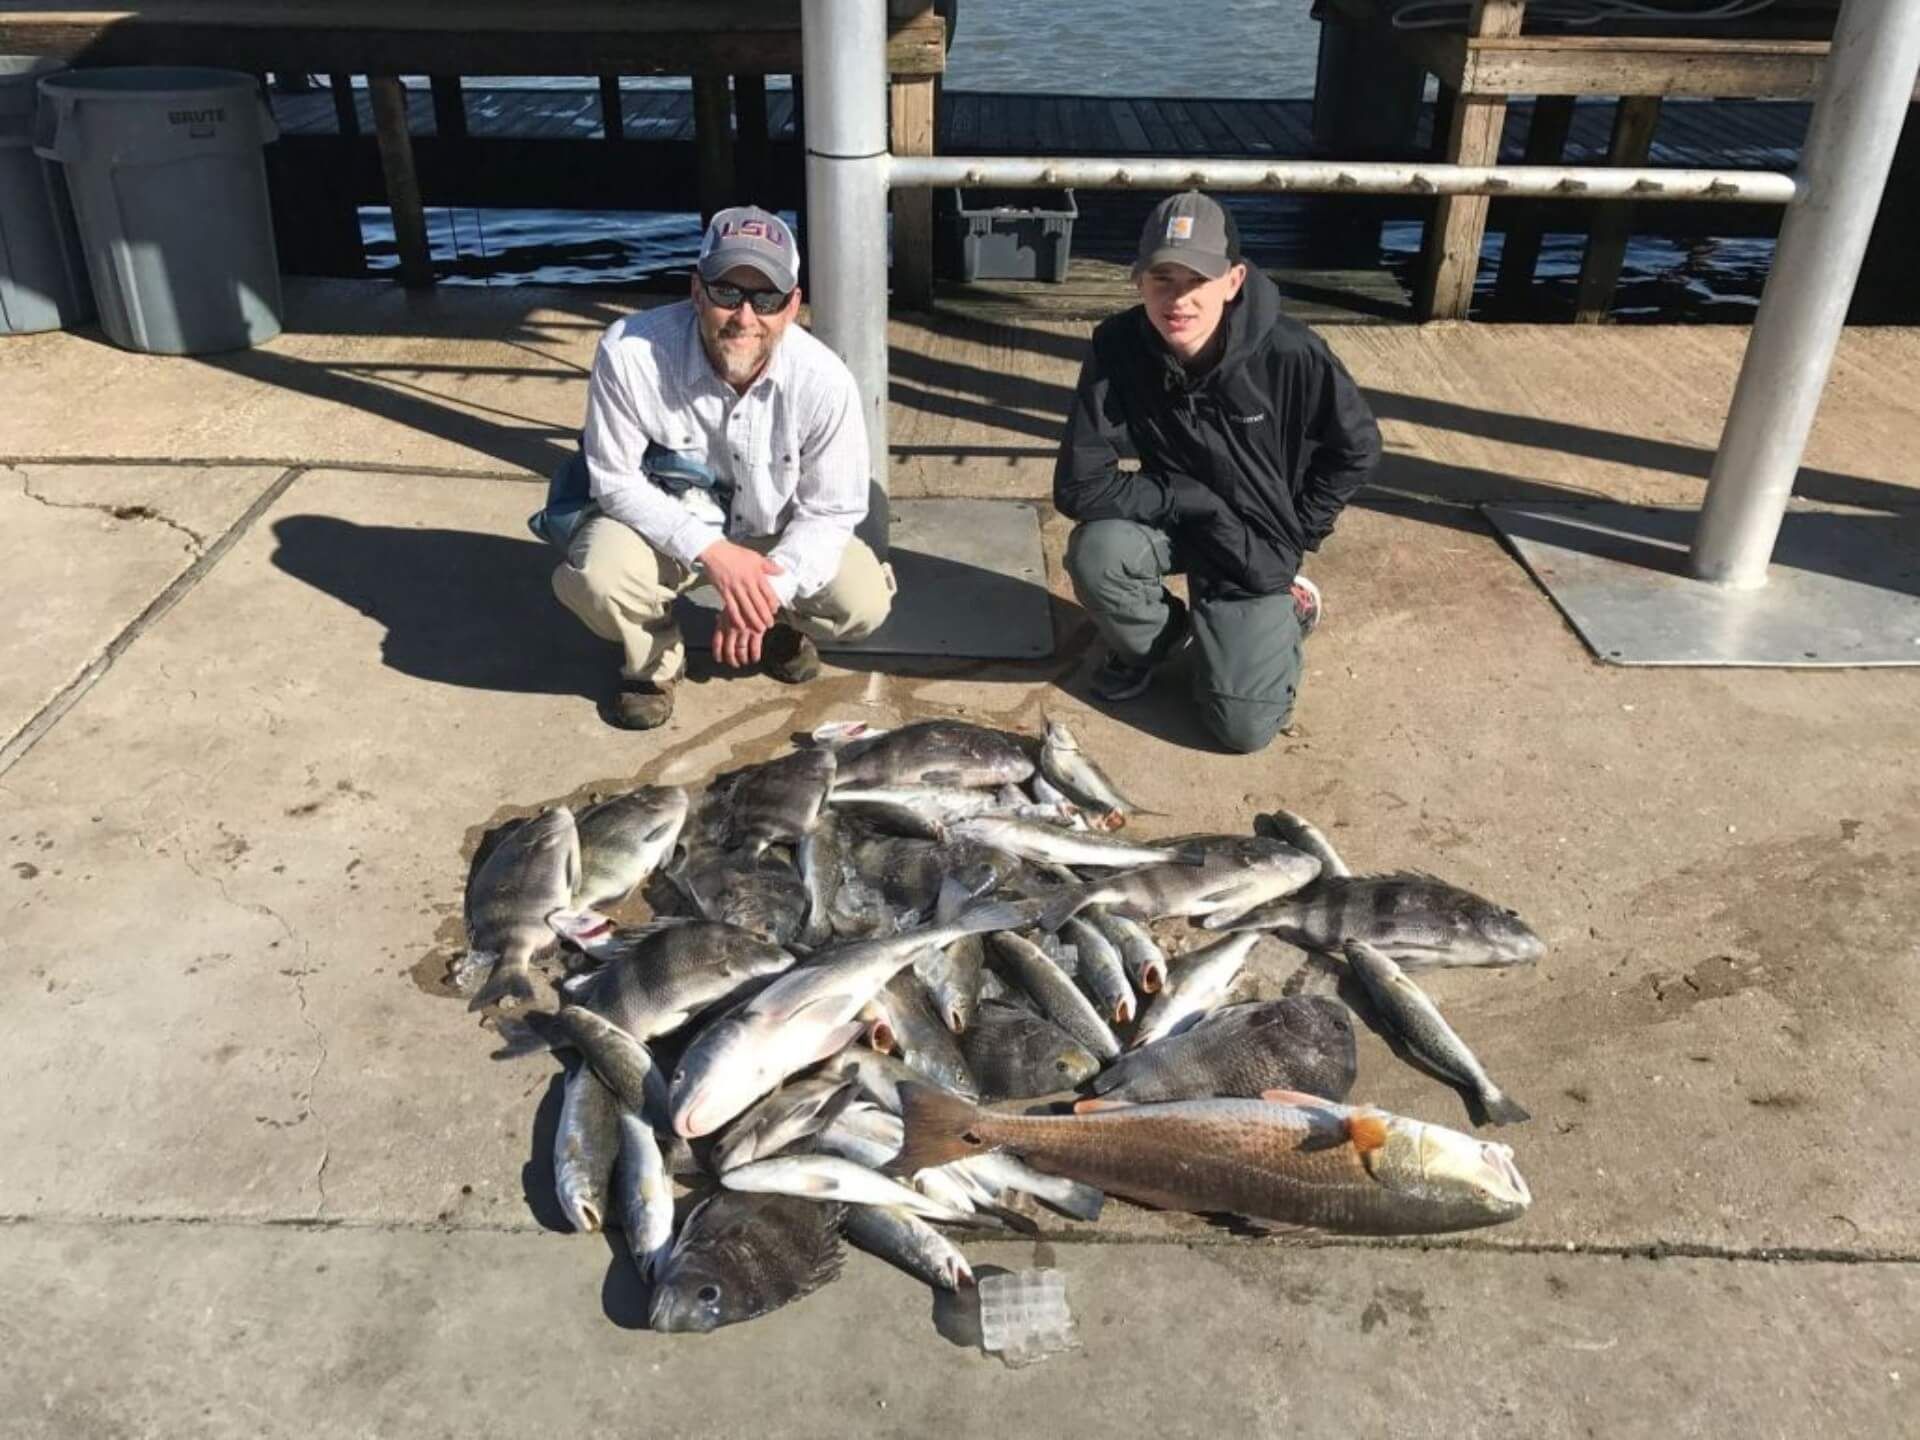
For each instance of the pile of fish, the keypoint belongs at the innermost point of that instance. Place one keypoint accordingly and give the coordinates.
(857, 953)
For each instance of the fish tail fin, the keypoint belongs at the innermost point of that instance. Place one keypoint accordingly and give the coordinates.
(1063, 907)
(939, 1129)
(991, 915)
(509, 983)
(530, 1034)
(1503, 1109)
(1082, 1202)
(953, 901)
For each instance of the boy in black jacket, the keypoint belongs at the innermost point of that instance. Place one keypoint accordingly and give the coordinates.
(1251, 438)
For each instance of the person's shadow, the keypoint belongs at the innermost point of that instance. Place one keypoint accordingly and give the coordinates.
(459, 607)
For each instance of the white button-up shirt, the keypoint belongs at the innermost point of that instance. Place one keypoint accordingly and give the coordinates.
(794, 447)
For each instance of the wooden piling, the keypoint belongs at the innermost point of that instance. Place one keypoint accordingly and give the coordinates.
(1633, 125)
(750, 138)
(345, 113)
(1520, 249)
(403, 181)
(613, 124)
(713, 143)
(449, 107)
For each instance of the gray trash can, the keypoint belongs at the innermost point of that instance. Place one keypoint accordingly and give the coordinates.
(170, 191)
(43, 275)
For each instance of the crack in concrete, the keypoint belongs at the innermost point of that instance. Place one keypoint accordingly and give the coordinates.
(297, 973)
(30, 734)
(118, 512)
(1651, 1250)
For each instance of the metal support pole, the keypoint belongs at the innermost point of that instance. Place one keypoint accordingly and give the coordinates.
(843, 50)
(1864, 94)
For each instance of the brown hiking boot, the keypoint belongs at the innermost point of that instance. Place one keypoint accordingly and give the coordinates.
(642, 705)
(789, 656)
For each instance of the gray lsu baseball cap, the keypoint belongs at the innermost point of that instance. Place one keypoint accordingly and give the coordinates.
(747, 235)
(1191, 230)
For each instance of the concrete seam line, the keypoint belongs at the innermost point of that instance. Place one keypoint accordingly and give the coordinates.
(276, 462)
(69, 695)
(1645, 1250)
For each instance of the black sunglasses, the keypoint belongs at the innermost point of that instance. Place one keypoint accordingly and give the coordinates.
(723, 296)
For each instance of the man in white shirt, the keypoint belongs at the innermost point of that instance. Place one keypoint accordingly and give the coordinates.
(723, 444)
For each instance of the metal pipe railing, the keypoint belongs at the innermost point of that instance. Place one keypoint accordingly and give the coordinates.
(1526, 182)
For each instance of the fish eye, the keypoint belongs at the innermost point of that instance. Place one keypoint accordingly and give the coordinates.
(707, 1294)
(1062, 1066)
(680, 1075)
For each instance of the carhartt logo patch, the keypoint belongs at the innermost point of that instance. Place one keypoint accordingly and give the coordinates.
(1180, 227)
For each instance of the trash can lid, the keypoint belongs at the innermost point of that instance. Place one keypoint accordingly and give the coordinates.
(144, 83)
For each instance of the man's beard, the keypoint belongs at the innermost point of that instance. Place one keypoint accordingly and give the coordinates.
(738, 366)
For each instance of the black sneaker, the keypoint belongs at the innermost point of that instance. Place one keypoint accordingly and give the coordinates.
(1306, 604)
(1120, 679)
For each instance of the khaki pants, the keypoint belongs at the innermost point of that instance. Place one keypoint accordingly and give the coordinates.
(624, 590)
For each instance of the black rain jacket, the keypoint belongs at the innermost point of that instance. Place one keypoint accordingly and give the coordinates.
(1245, 466)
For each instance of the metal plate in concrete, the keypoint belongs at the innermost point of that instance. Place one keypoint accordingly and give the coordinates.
(973, 584)
(1844, 589)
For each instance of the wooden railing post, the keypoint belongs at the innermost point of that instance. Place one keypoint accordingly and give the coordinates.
(912, 117)
(1451, 253)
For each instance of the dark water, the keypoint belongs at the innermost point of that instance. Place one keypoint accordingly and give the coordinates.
(1242, 49)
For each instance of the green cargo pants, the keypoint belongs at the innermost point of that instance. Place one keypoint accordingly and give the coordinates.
(1246, 652)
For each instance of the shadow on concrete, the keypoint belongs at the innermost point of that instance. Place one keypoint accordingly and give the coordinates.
(521, 445)
(459, 607)
(536, 1176)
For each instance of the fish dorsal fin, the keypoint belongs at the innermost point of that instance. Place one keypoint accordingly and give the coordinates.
(1094, 1104)
(1297, 1098)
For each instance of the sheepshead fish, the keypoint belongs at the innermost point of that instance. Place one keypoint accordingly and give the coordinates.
(1302, 1043)
(777, 803)
(935, 752)
(764, 896)
(654, 977)
(625, 839)
(739, 1256)
(1292, 1160)
(1416, 919)
(530, 874)
(1411, 1014)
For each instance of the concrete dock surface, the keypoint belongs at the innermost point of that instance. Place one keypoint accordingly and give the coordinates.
(279, 652)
